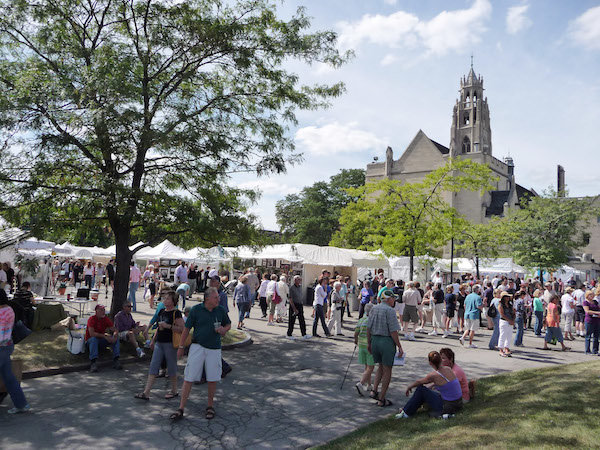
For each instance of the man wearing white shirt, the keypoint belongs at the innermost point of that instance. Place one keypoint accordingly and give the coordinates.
(181, 275)
(271, 290)
(579, 297)
(319, 299)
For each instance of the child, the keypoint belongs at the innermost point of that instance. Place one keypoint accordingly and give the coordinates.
(364, 357)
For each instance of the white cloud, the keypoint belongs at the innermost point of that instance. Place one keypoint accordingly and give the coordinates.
(390, 2)
(389, 59)
(448, 31)
(517, 20)
(336, 138)
(585, 29)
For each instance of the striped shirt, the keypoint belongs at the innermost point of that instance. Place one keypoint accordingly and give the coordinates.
(7, 320)
(361, 327)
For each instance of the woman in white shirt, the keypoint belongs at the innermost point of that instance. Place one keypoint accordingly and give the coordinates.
(271, 289)
(320, 296)
(568, 310)
(88, 273)
(262, 295)
(284, 292)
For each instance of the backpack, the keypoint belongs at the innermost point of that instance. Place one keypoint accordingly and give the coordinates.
(492, 311)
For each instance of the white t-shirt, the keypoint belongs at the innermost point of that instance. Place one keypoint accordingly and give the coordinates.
(495, 282)
(579, 297)
(88, 271)
(320, 295)
(262, 290)
(567, 303)
(271, 287)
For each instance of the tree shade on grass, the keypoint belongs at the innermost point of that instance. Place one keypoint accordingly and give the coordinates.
(555, 407)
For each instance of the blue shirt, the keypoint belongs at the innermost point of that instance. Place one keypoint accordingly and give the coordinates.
(366, 295)
(472, 302)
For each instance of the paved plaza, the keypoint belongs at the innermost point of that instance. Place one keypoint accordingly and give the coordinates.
(280, 394)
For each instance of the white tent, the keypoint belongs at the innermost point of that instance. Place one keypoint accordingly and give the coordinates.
(164, 250)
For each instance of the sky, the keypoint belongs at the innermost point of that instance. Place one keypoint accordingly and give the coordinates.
(540, 61)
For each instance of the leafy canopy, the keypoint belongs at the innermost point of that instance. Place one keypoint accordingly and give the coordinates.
(134, 113)
(312, 216)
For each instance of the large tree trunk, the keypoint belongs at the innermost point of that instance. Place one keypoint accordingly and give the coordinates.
(123, 259)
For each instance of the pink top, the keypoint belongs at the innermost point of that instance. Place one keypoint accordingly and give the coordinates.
(462, 379)
(134, 274)
(7, 320)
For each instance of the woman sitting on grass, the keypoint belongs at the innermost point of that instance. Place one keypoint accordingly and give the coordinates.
(445, 402)
(467, 387)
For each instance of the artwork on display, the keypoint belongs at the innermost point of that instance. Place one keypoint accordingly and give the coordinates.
(164, 273)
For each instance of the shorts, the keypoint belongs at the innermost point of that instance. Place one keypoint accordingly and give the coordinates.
(450, 313)
(364, 357)
(410, 314)
(272, 305)
(472, 324)
(152, 287)
(553, 333)
(399, 307)
(383, 350)
(461, 313)
(579, 314)
(203, 358)
(123, 335)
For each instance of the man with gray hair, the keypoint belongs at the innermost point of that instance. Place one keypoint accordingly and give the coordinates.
(296, 309)
(473, 307)
(411, 299)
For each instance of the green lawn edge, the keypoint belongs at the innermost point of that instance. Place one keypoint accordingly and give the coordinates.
(556, 407)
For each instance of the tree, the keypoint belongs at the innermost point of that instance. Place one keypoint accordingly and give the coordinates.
(480, 241)
(408, 218)
(547, 229)
(312, 216)
(133, 114)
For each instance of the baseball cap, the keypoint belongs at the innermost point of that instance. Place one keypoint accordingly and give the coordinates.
(388, 293)
(99, 306)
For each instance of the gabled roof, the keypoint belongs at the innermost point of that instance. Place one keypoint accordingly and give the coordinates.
(10, 236)
(496, 208)
(443, 150)
(524, 193)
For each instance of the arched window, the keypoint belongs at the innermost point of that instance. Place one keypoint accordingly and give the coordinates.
(466, 145)
(467, 101)
(466, 118)
(474, 99)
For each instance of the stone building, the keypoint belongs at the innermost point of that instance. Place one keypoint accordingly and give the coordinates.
(471, 138)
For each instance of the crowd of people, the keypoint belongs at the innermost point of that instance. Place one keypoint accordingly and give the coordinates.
(389, 311)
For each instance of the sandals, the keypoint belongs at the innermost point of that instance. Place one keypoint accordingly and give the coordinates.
(374, 395)
(210, 412)
(566, 349)
(384, 403)
(176, 415)
(171, 395)
(142, 396)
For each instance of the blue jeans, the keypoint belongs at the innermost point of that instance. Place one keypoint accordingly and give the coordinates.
(95, 344)
(133, 287)
(592, 331)
(13, 387)
(421, 396)
(182, 297)
(539, 321)
(495, 334)
(243, 308)
(519, 335)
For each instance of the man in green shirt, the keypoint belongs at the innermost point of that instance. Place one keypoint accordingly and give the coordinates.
(210, 322)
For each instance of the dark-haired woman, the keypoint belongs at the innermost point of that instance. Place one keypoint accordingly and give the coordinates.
(507, 321)
(169, 321)
(13, 387)
(446, 401)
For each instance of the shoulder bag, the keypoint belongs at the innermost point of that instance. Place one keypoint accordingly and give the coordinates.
(177, 337)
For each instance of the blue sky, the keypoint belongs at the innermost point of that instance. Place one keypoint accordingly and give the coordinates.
(540, 61)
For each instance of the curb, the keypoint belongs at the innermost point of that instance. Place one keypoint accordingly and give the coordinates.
(244, 343)
(70, 369)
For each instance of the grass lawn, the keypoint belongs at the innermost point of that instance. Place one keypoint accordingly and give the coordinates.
(47, 349)
(557, 407)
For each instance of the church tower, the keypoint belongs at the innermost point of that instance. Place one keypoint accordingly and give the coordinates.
(471, 132)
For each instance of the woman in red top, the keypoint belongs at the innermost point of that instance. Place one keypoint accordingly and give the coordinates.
(553, 330)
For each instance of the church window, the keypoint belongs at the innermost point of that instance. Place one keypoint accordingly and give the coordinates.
(467, 101)
(466, 118)
(475, 99)
(466, 145)
(474, 115)
(476, 147)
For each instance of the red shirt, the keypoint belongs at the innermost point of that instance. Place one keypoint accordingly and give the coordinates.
(99, 325)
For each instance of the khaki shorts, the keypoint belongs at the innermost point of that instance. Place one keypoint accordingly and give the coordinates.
(410, 314)
(472, 324)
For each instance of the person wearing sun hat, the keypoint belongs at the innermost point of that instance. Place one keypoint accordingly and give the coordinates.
(382, 339)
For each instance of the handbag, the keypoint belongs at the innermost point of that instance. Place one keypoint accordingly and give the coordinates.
(177, 337)
(276, 298)
(19, 332)
(75, 342)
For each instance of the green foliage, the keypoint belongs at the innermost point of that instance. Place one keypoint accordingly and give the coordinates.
(29, 265)
(134, 114)
(547, 230)
(408, 218)
(312, 216)
(480, 240)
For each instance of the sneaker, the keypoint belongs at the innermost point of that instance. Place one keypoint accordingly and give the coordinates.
(361, 389)
(24, 409)
(402, 415)
(140, 353)
(432, 333)
(411, 337)
(271, 324)
(117, 364)
(291, 338)
(93, 367)
(419, 330)
(461, 340)
(472, 346)
(339, 334)
(447, 416)
(445, 335)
